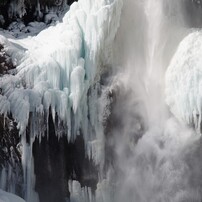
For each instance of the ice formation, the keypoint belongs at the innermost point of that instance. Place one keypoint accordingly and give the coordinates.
(56, 68)
(151, 156)
(54, 72)
(184, 80)
(103, 193)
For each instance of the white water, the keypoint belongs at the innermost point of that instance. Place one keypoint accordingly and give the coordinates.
(164, 163)
(156, 158)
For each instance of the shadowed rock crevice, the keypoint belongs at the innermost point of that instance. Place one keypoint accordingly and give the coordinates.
(6, 63)
(57, 161)
(28, 10)
(10, 156)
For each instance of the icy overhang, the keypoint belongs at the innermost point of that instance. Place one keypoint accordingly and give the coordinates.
(184, 80)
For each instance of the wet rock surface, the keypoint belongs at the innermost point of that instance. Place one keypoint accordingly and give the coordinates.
(192, 10)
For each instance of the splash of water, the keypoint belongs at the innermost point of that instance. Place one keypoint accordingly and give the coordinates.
(156, 157)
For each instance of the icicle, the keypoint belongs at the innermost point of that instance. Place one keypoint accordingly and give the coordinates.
(54, 71)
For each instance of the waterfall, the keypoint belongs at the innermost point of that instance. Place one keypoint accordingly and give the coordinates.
(157, 156)
(105, 106)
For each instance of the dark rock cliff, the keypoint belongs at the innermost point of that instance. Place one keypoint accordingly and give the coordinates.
(29, 10)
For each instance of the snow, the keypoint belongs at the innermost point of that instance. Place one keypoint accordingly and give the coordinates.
(184, 80)
(8, 197)
(55, 70)
(48, 17)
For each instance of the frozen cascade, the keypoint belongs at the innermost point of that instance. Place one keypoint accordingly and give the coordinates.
(142, 151)
(54, 72)
(50, 78)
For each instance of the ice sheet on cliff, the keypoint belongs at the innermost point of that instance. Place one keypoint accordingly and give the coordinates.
(184, 80)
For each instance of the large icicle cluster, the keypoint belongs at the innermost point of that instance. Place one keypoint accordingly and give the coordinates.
(58, 71)
(184, 80)
(56, 68)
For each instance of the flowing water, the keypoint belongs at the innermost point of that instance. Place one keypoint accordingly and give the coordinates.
(157, 158)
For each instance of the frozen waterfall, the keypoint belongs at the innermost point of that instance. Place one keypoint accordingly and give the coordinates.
(104, 106)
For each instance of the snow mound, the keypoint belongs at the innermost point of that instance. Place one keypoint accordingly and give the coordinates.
(184, 80)
(8, 197)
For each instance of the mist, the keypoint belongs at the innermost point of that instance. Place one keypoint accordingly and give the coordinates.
(156, 157)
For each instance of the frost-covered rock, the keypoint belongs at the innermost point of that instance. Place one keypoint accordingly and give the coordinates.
(184, 80)
(51, 17)
(31, 10)
(5, 61)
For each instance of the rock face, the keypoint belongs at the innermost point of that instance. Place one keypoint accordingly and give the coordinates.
(184, 79)
(10, 156)
(5, 62)
(193, 12)
(56, 162)
(29, 10)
